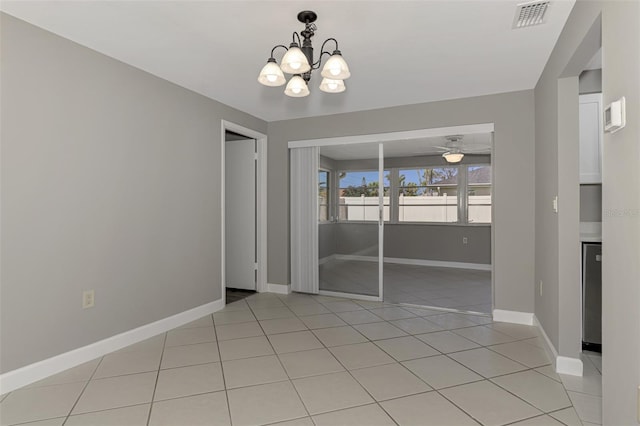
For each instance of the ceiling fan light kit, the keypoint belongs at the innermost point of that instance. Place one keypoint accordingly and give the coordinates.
(298, 61)
(453, 156)
(454, 150)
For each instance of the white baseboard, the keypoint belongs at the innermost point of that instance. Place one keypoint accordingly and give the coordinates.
(567, 365)
(419, 262)
(514, 317)
(326, 259)
(349, 296)
(278, 288)
(561, 364)
(31, 373)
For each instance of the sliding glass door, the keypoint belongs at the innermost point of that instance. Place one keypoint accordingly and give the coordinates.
(353, 203)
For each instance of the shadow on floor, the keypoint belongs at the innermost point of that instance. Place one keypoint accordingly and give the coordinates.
(234, 294)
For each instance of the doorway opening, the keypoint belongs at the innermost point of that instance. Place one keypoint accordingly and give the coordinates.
(591, 134)
(397, 222)
(243, 210)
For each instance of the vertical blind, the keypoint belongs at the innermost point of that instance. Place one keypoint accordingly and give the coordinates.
(304, 219)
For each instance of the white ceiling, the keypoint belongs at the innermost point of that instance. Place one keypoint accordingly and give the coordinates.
(399, 52)
(478, 143)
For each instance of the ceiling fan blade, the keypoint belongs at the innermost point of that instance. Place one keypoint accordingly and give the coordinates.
(476, 148)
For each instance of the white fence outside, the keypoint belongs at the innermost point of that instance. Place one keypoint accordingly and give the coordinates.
(362, 208)
(442, 208)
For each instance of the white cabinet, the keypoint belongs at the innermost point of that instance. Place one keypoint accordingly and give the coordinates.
(591, 138)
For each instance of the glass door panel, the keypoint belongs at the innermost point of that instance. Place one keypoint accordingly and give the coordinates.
(351, 204)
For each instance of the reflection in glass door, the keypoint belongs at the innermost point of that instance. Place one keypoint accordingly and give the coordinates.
(352, 210)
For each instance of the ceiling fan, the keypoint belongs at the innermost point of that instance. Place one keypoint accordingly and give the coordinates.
(454, 150)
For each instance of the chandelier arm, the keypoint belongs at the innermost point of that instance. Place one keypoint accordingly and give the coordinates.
(293, 38)
(323, 52)
(317, 64)
(327, 40)
(275, 47)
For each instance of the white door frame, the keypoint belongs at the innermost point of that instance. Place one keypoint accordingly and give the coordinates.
(399, 137)
(261, 208)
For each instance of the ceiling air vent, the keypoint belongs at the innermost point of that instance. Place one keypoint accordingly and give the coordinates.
(529, 14)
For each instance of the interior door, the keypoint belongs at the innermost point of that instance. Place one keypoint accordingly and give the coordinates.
(240, 214)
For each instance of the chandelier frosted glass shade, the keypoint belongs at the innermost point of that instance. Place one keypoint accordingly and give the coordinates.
(295, 61)
(453, 157)
(332, 86)
(297, 87)
(336, 67)
(271, 74)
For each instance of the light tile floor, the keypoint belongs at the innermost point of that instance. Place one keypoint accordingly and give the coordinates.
(316, 360)
(462, 289)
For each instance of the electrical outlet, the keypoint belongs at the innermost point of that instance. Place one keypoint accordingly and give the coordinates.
(540, 287)
(465, 240)
(88, 299)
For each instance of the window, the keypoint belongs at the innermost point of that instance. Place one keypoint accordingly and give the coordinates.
(323, 196)
(479, 194)
(428, 195)
(358, 196)
(438, 194)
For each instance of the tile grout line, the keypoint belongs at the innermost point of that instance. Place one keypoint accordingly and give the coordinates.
(224, 380)
(483, 378)
(350, 374)
(489, 379)
(83, 390)
(155, 386)
(481, 346)
(284, 369)
(498, 385)
(399, 363)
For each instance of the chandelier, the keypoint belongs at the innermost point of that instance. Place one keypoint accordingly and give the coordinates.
(298, 60)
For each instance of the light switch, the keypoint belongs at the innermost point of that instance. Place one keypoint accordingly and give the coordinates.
(555, 204)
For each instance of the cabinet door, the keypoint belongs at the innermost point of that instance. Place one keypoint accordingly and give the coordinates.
(591, 138)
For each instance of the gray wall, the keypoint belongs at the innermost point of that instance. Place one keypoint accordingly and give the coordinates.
(621, 221)
(513, 186)
(590, 203)
(110, 181)
(433, 242)
(556, 104)
(408, 241)
(590, 81)
(326, 239)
